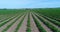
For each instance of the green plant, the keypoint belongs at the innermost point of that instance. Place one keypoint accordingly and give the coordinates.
(53, 28)
(28, 24)
(41, 29)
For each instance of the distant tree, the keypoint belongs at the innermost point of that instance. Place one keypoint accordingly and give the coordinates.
(5, 9)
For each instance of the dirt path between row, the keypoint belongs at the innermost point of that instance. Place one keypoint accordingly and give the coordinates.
(50, 19)
(33, 25)
(47, 21)
(43, 25)
(24, 25)
(4, 26)
(4, 18)
(13, 27)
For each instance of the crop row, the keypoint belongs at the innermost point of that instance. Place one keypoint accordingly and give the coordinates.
(51, 20)
(28, 24)
(52, 27)
(7, 17)
(41, 29)
(7, 20)
(11, 24)
(19, 25)
(52, 13)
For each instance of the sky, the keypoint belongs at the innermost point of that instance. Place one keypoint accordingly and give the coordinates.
(29, 3)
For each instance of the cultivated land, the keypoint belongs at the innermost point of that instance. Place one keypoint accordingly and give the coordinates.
(30, 20)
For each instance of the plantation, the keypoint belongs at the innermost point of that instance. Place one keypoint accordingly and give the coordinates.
(30, 20)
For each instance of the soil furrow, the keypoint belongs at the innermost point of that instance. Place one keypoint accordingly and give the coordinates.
(5, 18)
(4, 26)
(33, 25)
(14, 25)
(24, 25)
(43, 25)
(47, 21)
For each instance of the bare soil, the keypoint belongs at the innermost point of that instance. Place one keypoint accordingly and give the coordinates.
(24, 25)
(43, 25)
(4, 26)
(33, 25)
(12, 28)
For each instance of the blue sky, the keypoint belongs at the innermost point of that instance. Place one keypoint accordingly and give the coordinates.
(29, 3)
